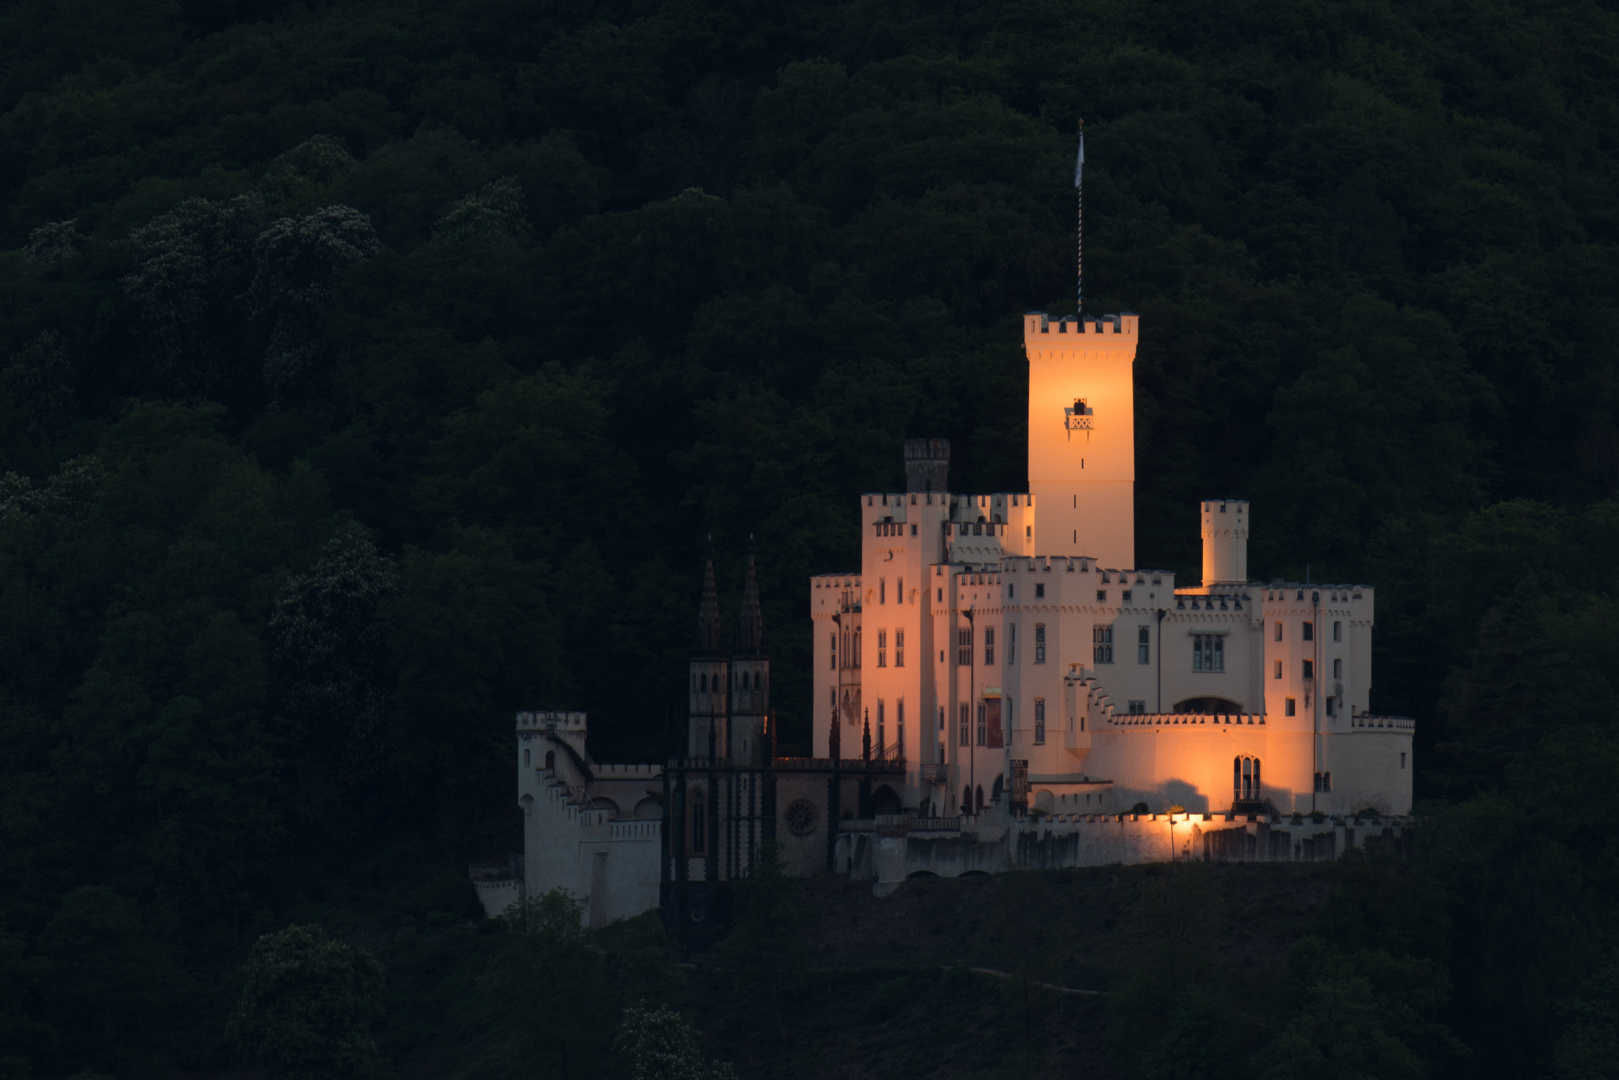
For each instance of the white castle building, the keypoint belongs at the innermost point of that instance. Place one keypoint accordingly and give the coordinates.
(1008, 643)
(1021, 694)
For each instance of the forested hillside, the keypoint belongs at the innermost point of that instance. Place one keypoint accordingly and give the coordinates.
(369, 371)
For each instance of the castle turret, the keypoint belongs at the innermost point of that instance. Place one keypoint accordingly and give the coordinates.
(750, 675)
(707, 734)
(1225, 542)
(927, 465)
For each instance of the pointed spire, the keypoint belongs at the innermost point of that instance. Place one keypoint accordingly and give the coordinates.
(709, 639)
(865, 740)
(750, 631)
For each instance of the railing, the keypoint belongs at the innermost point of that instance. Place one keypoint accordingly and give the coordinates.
(935, 774)
(1160, 719)
(1370, 722)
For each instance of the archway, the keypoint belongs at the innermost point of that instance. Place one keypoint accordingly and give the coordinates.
(1208, 706)
(978, 807)
(884, 801)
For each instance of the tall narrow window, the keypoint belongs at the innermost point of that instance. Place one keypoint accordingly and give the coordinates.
(989, 646)
(1337, 630)
(1278, 630)
(941, 717)
(833, 652)
(1039, 642)
(1143, 645)
(899, 728)
(1011, 644)
(964, 647)
(1309, 631)
(1102, 644)
(882, 727)
(899, 590)
(1040, 591)
(899, 648)
(1039, 721)
(965, 722)
(882, 648)
(1290, 707)
(1278, 669)
(1332, 706)
(882, 592)
(1309, 669)
(1338, 668)
(857, 636)
(983, 724)
(699, 824)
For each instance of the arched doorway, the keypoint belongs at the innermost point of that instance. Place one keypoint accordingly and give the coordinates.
(884, 801)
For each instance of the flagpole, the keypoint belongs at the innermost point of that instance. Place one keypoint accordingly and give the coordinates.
(1079, 227)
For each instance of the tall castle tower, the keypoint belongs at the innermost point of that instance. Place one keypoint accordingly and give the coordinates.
(1082, 432)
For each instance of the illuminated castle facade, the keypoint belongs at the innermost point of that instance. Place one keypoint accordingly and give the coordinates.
(1007, 649)
(998, 687)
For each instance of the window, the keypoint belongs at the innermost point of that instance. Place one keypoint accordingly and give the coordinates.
(1278, 669)
(1323, 781)
(1332, 706)
(1291, 707)
(882, 590)
(1040, 591)
(1208, 652)
(834, 652)
(1278, 631)
(941, 596)
(983, 724)
(1102, 644)
(1309, 669)
(1039, 722)
(882, 726)
(1143, 645)
(1245, 785)
(1402, 759)
(1309, 631)
(899, 648)
(1011, 644)
(1137, 708)
(964, 647)
(857, 636)
(1126, 597)
(989, 646)
(525, 758)
(1337, 630)
(1337, 669)
(965, 723)
(698, 832)
(899, 726)
(899, 590)
(1039, 642)
(882, 648)
(1011, 591)
(941, 717)
(1101, 596)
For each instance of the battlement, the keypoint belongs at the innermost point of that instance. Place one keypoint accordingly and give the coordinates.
(565, 722)
(1039, 325)
(1187, 719)
(1372, 722)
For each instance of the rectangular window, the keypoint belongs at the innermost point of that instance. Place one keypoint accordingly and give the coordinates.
(525, 757)
(1126, 597)
(1101, 596)
(941, 596)
(1011, 644)
(1039, 642)
(899, 590)
(833, 652)
(965, 723)
(1309, 631)
(1402, 759)
(1137, 708)
(1208, 652)
(882, 725)
(989, 646)
(1309, 669)
(857, 637)
(1332, 706)
(1337, 669)
(1278, 630)
(882, 590)
(1337, 630)
(964, 647)
(899, 648)
(1039, 722)
(983, 724)
(1039, 591)
(1102, 644)
(882, 648)
(899, 727)
(1143, 645)
(1278, 669)
(1290, 707)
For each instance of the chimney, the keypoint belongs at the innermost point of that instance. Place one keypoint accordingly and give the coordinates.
(927, 465)
(1225, 542)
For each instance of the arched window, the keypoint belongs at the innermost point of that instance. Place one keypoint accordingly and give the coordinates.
(966, 800)
(1245, 786)
(550, 761)
(702, 682)
(699, 824)
(978, 808)
(757, 683)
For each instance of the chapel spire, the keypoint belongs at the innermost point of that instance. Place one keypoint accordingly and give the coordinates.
(750, 630)
(709, 639)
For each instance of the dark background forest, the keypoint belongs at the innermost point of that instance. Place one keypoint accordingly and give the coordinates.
(369, 371)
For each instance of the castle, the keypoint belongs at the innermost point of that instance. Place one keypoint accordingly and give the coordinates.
(998, 686)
